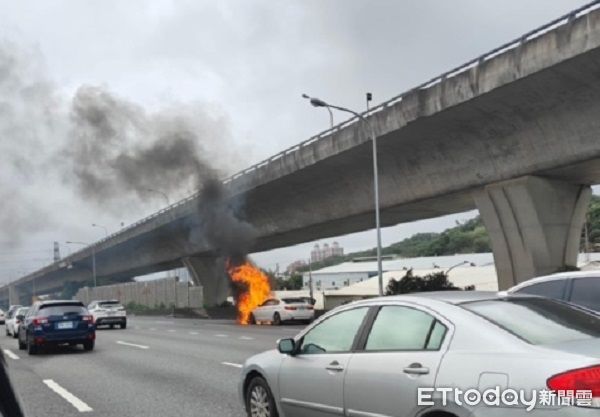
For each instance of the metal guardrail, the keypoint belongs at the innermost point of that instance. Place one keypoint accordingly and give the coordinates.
(567, 18)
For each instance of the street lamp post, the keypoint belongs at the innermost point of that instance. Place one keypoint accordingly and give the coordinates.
(93, 246)
(310, 281)
(101, 227)
(455, 266)
(320, 103)
(165, 196)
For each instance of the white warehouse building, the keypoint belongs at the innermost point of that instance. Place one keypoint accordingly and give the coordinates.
(464, 267)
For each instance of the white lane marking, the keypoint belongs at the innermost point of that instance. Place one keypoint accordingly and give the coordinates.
(235, 365)
(172, 330)
(132, 344)
(194, 333)
(221, 335)
(73, 400)
(152, 328)
(246, 338)
(10, 354)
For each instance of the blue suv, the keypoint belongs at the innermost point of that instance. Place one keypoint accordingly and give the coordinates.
(52, 323)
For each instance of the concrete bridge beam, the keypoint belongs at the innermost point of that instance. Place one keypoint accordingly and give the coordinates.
(534, 224)
(210, 273)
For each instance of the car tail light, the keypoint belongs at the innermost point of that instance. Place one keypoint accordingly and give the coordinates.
(290, 308)
(87, 318)
(309, 307)
(584, 379)
(18, 321)
(38, 321)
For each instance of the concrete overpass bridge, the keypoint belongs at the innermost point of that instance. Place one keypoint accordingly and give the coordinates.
(514, 133)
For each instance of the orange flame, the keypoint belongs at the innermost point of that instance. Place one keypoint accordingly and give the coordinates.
(257, 288)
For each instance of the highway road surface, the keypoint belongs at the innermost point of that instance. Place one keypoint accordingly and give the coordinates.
(157, 367)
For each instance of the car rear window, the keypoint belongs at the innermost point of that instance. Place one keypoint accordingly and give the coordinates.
(586, 292)
(112, 304)
(294, 300)
(61, 310)
(538, 321)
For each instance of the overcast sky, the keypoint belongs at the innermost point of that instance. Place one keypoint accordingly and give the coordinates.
(239, 67)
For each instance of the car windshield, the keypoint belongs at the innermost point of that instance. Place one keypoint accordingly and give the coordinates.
(538, 321)
(61, 310)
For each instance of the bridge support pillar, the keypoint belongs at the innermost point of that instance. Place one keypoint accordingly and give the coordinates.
(210, 273)
(534, 224)
(14, 297)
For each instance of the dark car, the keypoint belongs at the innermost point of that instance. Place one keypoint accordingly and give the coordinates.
(52, 323)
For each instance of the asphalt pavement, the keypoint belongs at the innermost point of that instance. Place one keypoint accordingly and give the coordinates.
(158, 366)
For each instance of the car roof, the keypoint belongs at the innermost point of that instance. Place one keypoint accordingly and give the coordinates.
(557, 277)
(53, 302)
(447, 297)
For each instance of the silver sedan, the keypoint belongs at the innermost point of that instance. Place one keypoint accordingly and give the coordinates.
(446, 354)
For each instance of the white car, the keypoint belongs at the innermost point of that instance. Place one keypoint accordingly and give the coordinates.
(108, 312)
(276, 311)
(576, 287)
(14, 321)
(10, 313)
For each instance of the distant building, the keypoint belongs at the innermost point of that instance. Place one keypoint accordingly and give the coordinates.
(318, 253)
(294, 266)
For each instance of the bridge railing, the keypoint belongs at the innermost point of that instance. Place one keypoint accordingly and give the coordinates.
(533, 34)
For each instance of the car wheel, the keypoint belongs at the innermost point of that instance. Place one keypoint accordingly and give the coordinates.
(88, 345)
(7, 333)
(123, 325)
(31, 348)
(22, 346)
(112, 326)
(276, 319)
(259, 400)
(252, 319)
(15, 335)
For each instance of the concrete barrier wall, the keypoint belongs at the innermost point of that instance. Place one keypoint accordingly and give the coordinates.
(167, 292)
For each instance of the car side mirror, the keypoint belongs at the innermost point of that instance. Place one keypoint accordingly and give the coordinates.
(286, 346)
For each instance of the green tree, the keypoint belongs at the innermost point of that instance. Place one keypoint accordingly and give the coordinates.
(70, 288)
(437, 281)
(294, 282)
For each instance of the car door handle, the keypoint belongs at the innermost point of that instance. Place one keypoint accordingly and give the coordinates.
(334, 366)
(416, 369)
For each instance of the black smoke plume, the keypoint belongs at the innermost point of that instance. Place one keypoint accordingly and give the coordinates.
(111, 153)
(117, 149)
(221, 223)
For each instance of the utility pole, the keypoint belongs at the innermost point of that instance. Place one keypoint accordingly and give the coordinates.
(310, 281)
(315, 102)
